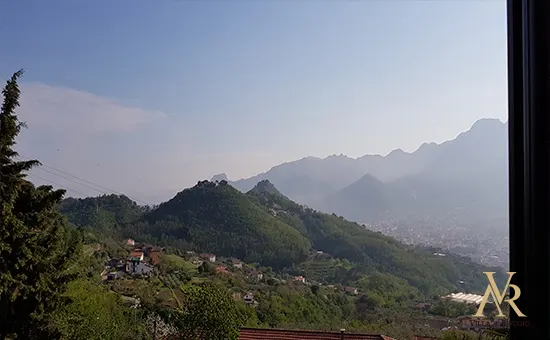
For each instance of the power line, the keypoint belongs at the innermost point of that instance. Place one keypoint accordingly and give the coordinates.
(81, 179)
(59, 185)
(72, 180)
(108, 190)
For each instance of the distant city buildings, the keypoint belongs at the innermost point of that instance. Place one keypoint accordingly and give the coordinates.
(484, 242)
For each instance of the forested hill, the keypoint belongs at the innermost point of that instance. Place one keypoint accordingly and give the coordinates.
(106, 212)
(372, 251)
(215, 217)
(264, 226)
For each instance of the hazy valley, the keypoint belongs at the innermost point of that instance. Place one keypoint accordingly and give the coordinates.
(458, 189)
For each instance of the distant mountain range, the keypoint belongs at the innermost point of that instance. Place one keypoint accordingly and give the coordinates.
(465, 178)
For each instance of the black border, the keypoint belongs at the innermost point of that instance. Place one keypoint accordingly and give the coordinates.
(529, 162)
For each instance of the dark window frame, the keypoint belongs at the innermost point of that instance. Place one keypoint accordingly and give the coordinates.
(529, 163)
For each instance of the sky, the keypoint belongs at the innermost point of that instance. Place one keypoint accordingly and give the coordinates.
(148, 97)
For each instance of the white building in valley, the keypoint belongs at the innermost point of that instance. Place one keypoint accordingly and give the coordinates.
(464, 297)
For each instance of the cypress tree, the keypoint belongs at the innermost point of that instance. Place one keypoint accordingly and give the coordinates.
(36, 247)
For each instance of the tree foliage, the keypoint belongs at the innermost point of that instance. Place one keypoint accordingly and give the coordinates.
(105, 213)
(35, 245)
(207, 313)
(219, 219)
(95, 313)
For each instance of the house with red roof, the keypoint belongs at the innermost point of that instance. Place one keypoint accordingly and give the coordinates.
(300, 279)
(222, 270)
(136, 255)
(209, 257)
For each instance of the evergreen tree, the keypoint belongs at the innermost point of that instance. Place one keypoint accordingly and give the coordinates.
(35, 249)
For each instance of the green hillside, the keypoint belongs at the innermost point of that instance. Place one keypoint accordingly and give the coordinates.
(265, 227)
(106, 212)
(371, 251)
(218, 218)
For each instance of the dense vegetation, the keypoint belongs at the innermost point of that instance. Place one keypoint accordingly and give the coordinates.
(218, 218)
(106, 212)
(36, 246)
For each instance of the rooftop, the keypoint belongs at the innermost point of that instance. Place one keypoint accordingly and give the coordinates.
(155, 259)
(206, 255)
(284, 334)
(464, 297)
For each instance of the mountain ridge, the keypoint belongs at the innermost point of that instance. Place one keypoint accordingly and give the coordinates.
(465, 178)
(421, 147)
(478, 155)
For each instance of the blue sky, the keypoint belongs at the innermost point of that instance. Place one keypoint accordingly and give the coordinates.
(150, 96)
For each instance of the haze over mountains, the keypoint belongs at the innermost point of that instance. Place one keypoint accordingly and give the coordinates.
(466, 178)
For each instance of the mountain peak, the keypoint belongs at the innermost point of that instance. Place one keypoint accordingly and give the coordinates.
(427, 147)
(396, 152)
(485, 128)
(487, 124)
(265, 186)
(337, 156)
(219, 178)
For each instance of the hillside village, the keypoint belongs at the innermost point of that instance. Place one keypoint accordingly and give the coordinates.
(248, 283)
(146, 261)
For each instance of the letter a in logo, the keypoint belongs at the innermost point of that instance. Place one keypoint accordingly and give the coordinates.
(498, 297)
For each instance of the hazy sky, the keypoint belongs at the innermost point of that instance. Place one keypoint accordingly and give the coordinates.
(147, 97)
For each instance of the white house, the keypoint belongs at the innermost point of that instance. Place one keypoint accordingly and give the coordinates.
(209, 257)
(236, 263)
(256, 275)
(351, 290)
(248, 298)
(140, 268)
